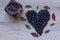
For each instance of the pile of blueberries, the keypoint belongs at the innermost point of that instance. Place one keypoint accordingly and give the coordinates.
(38, 20)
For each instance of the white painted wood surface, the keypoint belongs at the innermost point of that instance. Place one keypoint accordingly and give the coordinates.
(11, 29)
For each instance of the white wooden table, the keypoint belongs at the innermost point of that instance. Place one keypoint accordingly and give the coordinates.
(11, 29)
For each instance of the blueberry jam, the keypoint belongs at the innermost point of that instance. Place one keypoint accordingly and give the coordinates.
(13, 8)
(38, 20)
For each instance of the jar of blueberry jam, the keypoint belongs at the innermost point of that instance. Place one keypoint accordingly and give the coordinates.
(13, 8)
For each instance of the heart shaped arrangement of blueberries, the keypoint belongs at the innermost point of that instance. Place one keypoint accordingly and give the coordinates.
(38, 20)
